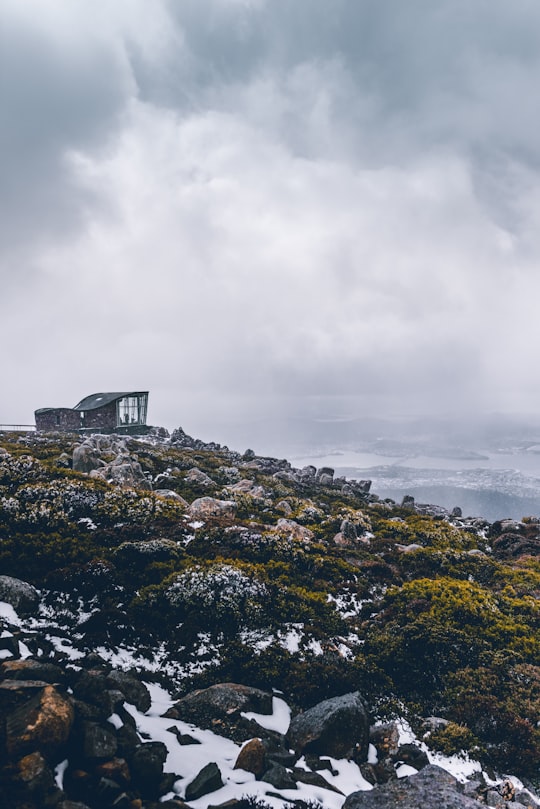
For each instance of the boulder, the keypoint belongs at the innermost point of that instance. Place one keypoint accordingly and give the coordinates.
(147, 763)
(385, 739)
(252, 758)
(124, 471)
(169, 494)
(412, 755)
(32, 670)
(220, 709)
(133, 690)
(41, 724)
(86, 458)
(431, 788)
(336, 727)
(222, 699)
(98, 741)
(325, 476)
(32, 779)
(294, 530)
(205, 508)
(196, 475)
(208, 780)
(279, 777)
(23, 597)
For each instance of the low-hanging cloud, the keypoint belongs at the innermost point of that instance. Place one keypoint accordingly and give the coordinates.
(247, 205)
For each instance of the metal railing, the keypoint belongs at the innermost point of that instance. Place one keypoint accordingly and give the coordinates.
(17, 428)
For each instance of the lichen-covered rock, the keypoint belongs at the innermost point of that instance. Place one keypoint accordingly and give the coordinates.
(335, 727)
(220, 708)
(196, 475)
(87, 458)
(431, 788)
(124, 471)
(293, 530)
(169, 494)
(208, 507)
(23, 597)
(32, 670)
(221, 699)
(41, 724)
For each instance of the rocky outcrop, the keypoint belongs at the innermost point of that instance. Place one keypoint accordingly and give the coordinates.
(23, 597)
(431, 788)
(86, 458)
(337, 727)
(124, 471)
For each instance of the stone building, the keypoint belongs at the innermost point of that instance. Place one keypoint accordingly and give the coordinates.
(98, 413)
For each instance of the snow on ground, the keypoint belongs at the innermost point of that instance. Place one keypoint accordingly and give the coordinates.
(278, 720)
(8, 613)
(187, 761)
(461, 767)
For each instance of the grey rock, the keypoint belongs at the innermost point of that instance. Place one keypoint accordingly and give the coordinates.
(208, 780)
(314, 779)
(223, 701)
(335, 727)
(23, 597)
(195, 475)
(279, 777)
(208, 507)
(98, 741)
(124, 471)
(412, 755)
(524, 799)
(325, 476)
(86, 458)
(135, 692)
(147, 762)
(431, 788)
(169, 494)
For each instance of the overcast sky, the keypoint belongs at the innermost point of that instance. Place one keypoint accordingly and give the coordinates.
(257, 207)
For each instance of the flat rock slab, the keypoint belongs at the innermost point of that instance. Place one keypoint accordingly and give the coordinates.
(432, 788)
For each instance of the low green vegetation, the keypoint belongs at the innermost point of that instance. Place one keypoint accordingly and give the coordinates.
(415, 611)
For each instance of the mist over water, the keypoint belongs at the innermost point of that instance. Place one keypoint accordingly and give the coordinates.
(487, 465)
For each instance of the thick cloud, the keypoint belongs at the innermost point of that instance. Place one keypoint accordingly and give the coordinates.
(252, 207)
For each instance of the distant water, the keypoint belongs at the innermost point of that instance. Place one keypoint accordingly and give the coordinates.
(493, 485)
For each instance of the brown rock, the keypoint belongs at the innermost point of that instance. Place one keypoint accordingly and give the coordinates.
(41, 724)
(115, 768)
(252, 758)
(385, 738)
(208, 507)
(293, 530)
(31, 670)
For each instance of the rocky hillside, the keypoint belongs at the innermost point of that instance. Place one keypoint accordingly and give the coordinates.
(181, 624)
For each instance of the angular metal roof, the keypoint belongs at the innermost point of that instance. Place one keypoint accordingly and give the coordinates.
(96, 400)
